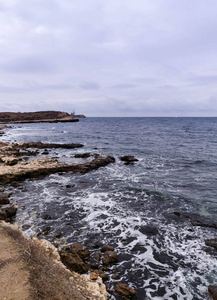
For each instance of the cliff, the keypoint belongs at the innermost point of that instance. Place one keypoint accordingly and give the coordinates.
(34, 117)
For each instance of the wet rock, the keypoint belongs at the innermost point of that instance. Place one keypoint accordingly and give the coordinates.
(148, 230)
(73, 262)
(94, 266)
(4, 198)
(102, 274)
(26, 226)
(57, 234)
(177, 213)
(68, 186)
(40, 145)
(46, 216)
(107, 248)
(212, 289)
(126, 292)
(128, 159)
(45, 152)
(211, 243)
(46, 229)
(115, 276)
(45, 166)
(97, 256)
(110, 257)
(79, 249)
(82, 155)
(7, 212)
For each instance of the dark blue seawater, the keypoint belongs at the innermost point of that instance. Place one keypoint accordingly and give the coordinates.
(161, 255)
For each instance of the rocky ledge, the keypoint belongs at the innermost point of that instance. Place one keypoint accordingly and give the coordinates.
(13, 167)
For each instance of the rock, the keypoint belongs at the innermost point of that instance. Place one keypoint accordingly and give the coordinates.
(96, 288)
(46, 229)
(212, 289)
(110, 257)
(45, 166)
(40, 145)
(79, 249)
(4, 198)
(211, 243)
(102, 274)
(97, 256)
(82, 155)
(107, 248)
(73, 262)
(128, 159)
(126, 292)
(57, 234)
(148, 230)
(46, 216)
(93, 276)
(115, 276)
(10, 161)
(45, 152)
(7, 211)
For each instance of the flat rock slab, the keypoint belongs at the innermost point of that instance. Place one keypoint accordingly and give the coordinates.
(46, 166)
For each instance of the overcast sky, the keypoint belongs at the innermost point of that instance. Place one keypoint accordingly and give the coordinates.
(109, 57)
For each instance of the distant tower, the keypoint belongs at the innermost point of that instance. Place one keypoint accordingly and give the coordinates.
(73, 113)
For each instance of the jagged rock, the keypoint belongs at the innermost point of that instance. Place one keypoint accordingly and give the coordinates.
(97, 256)
(126, 292)
(110, 257)
(57, 234)
(211, 243)
(40, 145)
(46, 166)
(128, 159)
(4, 198)
(102, 274)
(73, 262)
(212, 289)
(79, 249)
(93, 276)
(46, 216)
(7, 212)
(82, 155)
(10, 161)
(107, 248)
(46, 229)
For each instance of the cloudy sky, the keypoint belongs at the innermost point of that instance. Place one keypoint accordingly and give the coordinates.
(109, 57)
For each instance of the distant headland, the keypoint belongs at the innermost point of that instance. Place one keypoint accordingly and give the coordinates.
(39, 116)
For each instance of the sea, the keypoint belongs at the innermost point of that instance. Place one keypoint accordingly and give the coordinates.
(154, 212)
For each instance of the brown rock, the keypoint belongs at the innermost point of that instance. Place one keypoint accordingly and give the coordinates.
(79, 249)
(4, 198)
(94, 276)
(7, 211)
(82, 155)
(107, 248)
(212, 289)
(110, 257)
(73, 262)
(97, 256)
(126, 292)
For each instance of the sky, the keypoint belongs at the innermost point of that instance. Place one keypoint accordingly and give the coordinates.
(109, 57)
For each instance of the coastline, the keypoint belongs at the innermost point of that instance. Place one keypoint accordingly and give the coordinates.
(23, 257)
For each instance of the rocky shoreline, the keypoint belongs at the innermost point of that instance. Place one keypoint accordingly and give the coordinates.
(19, 162)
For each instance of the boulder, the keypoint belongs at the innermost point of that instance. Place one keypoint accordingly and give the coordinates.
(212, 289)
(211, 243)
(7, 212)
(107, 248)
(4, 198)
(110, 257)
(73, 262)
(126, 292)
(82, 155)
(128, 159)
(80, 250)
